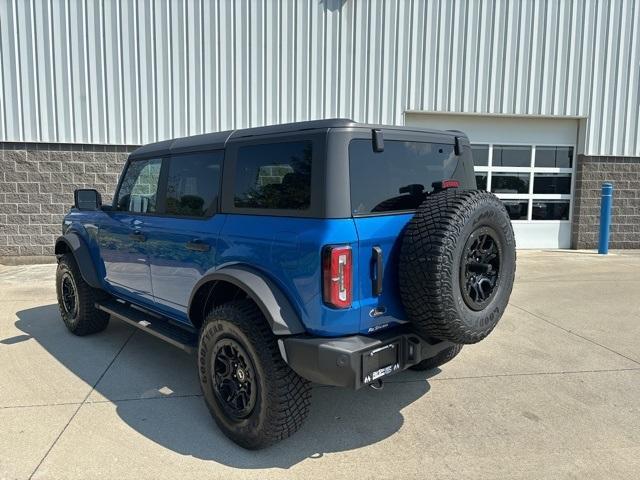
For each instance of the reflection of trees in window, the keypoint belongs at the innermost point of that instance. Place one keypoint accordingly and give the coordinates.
(189, 205)
(288, 185)
(182, 196)
(140, 184)
(510, 183)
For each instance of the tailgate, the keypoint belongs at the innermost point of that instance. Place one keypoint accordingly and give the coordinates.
(384, 232)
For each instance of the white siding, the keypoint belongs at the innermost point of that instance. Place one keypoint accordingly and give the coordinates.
(127, 71)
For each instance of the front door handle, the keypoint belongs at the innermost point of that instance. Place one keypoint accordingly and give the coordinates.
(137, 236)
(198, 245)
(378, 272)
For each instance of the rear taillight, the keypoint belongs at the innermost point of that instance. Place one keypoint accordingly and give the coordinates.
(337, 276)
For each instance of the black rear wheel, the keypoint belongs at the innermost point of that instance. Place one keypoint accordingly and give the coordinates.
(234, 378)
(252, 394)
(440, 359)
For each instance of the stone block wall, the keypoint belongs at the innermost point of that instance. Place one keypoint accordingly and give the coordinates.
(36, 189)
(624, 174)
(37, 183)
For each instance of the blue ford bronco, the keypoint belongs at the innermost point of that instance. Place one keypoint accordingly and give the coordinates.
(326, 251)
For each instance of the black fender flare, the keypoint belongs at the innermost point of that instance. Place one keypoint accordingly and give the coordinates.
(80, 251)
(282, 317)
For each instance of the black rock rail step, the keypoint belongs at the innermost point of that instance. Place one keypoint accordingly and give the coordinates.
(182, 337)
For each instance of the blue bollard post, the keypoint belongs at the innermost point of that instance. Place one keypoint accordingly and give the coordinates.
(605, 218)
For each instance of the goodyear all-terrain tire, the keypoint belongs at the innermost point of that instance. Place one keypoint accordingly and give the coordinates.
(76, 299)
(253, 395)
(457, 265)
(440, 359)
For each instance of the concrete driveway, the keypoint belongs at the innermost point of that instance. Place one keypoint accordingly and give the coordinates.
(554, 392)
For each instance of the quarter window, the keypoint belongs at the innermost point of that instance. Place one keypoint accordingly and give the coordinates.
(139, 188)
(274, 176)
(193, 184)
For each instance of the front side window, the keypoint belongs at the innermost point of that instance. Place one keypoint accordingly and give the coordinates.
(193, 184)
(398, 178)
(139, 188)
(274, 176)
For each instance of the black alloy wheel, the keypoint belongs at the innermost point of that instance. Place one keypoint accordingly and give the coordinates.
(233, 376)
(480, 268)
(252, 394)
(77, 299)
(69, 295)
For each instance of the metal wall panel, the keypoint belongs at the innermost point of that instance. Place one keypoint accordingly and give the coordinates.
(136, 71)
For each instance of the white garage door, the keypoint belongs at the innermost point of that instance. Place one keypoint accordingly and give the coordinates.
(527, 162)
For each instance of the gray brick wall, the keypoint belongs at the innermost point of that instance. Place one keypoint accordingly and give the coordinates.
(37, 183)
(624, 173)
(36, 189)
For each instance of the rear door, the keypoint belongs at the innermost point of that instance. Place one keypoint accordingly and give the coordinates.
(386, 188)
(182, 242)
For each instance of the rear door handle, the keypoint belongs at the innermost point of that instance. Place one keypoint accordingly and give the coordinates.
(378, 261)
(137, 236)
(198, 245)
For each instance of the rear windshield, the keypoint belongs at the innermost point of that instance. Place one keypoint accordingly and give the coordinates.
(398, 178)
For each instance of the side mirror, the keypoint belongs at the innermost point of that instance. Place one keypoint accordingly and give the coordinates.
(87, 199)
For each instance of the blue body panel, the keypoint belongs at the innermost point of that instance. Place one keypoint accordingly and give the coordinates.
(288, 251)
(160, 273)
(384, 231)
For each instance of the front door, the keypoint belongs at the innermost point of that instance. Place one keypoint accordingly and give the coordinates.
(122, 236)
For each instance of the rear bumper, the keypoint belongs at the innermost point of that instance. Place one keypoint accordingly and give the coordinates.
(357, 360)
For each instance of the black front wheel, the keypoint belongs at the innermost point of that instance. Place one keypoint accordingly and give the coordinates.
(252, 394)
(76, 299)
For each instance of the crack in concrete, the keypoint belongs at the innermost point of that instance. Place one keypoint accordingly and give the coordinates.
(546, 320)
(82, 403)
(523, 374)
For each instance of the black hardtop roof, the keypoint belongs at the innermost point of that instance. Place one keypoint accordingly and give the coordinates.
(217, 140)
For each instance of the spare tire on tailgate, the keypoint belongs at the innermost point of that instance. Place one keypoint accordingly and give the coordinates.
(457, 265)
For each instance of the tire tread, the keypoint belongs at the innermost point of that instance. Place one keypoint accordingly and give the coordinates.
(427, 256)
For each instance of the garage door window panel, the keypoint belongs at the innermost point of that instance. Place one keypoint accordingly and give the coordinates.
(511, 156)
(534, 182)
(550, 210)
(554, 157)
(552, 183)
(510, 182)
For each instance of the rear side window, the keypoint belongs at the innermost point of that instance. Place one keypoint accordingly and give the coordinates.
(193, 184)
(139, 188)
(398, 178)
(274, 176)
